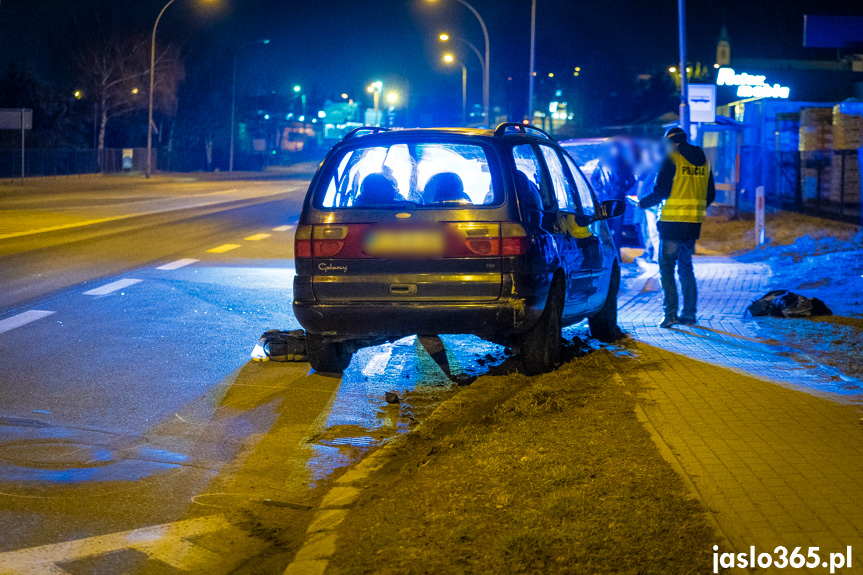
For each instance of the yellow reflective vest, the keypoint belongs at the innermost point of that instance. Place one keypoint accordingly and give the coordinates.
(688, 199)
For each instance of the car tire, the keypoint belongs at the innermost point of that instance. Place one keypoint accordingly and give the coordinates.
(327, 356)
(603, 325)
(540, 347)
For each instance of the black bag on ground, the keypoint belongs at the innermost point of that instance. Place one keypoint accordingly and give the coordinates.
(783, 303)
(283, 345)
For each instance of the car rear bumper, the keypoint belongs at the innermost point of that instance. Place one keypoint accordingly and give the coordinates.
(384, 320)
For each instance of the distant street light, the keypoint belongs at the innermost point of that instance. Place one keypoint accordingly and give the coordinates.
(150, 124)
(234, 98)
(485, 72)
(344, 95)
(392, 97)
(299, 90)
(449, 59)
(447, 37)
(375, 88)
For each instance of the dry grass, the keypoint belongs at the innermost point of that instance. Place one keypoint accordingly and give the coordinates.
(552, 474)
(722, 236)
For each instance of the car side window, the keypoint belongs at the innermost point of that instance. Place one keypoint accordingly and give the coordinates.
(588, 208)
(532, 190)
(562, 187)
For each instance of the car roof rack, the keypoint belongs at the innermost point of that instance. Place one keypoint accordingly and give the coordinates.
(362, 129)
(507, 128)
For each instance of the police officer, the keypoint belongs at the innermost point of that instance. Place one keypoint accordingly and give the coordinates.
(685, 185)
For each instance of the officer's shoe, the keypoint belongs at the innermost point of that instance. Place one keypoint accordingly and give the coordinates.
(669, 321)
(687, 320)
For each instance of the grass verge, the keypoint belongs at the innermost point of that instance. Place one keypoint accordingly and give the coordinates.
(551, 474)
(723, 236)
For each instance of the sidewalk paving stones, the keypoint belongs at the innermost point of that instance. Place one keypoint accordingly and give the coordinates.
(773, 445)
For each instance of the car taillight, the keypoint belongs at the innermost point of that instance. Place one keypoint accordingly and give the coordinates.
(513, 239)
(328, 241)
(482, 239)
(303, 242)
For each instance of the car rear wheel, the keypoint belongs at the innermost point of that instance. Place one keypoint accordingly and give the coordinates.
(326, 355)
(603, 326)
(541, 347)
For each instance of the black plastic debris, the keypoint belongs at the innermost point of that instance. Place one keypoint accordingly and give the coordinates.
(276, 345)
(392, 397)
(783, 303)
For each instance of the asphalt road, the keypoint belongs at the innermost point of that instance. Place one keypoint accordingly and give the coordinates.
(135, 433)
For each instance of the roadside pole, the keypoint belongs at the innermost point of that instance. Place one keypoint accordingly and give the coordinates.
(684, 80)
(530, 79)
(759, 217)
(22, 145)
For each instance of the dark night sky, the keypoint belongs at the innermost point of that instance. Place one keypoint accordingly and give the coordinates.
(339, 46)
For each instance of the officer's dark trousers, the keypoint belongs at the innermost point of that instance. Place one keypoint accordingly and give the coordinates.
(678, 253)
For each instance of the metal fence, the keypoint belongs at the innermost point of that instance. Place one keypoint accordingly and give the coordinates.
(40, 162)
(823, 183)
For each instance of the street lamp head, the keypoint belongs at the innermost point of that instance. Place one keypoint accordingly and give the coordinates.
(672, 69)
(265, 41)
(443, 37)
(448, 58)
(297, 88)
(344, 95)
(392, 97)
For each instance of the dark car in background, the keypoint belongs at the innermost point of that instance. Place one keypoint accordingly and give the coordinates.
(494, 233)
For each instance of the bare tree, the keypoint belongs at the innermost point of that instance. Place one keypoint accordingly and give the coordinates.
(115, 66)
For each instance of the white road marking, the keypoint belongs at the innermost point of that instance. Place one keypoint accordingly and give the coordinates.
(177, 264)
(223, 248)
(378, 364)
(257, 237)
(164, 542)
(283, 228)
(22, 319)
(112, 287)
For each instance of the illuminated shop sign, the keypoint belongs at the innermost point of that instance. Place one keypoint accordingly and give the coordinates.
(750, 86)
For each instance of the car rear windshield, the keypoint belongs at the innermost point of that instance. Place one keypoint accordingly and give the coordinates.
(408, 175)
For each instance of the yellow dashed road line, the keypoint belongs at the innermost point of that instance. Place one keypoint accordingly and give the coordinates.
(223, 248)
(257, 237)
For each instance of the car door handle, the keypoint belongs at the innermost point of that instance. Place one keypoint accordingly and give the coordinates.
(403, 289)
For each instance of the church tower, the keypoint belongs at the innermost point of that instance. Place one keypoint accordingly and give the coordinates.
(723, 49)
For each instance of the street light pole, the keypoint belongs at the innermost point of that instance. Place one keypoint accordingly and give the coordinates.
(449, 59)
(485, 72)
(152, 77)
(532, 68)
(684, 80)
(234, 99)
(463, 95)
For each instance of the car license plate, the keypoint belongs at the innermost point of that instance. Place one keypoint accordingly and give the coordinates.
(405, 243)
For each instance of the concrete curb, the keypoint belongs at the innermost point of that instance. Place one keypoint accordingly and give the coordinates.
(320, 544)
(669, 456)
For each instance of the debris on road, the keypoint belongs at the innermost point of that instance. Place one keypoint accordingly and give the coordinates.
(276, 345)
(783, 303)
(392, 397)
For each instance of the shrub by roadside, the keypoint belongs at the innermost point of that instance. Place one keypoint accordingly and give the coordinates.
(551, 474)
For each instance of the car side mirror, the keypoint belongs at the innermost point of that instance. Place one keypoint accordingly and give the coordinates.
(613, 209)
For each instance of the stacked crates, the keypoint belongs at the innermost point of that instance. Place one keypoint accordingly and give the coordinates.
(847, 139)
(816, 140)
